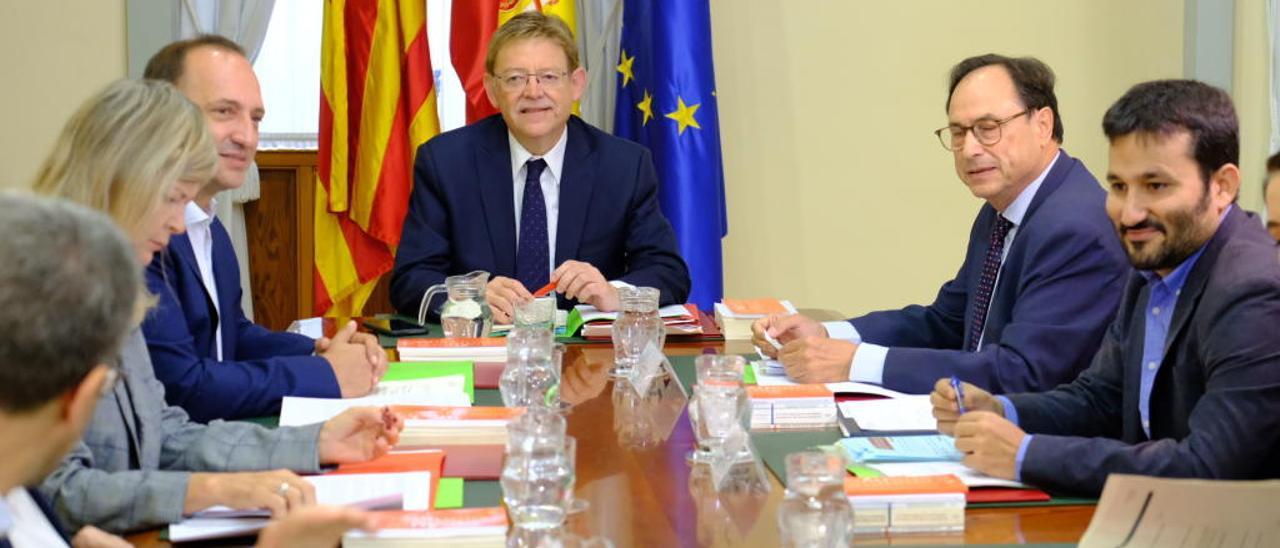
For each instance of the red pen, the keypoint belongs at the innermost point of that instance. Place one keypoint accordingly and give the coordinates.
(544, 290)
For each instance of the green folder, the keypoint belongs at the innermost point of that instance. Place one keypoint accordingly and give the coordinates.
(449, 493)
(409, 371)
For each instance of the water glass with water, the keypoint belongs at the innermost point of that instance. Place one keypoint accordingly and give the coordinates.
(532, 373)
(638, 327)
(720, 412)
(537, 313)
(815, 511)
(536, 473)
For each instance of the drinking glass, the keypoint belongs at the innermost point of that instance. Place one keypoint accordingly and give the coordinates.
(536, 473)
(531, 376)
(637, 328)
(815, 511)
(537, 313)
(720, 412)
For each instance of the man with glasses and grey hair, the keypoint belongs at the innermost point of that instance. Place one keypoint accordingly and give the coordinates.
(535, 195)
(1041, 277)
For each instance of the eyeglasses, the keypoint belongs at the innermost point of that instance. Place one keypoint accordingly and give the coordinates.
(987, 132)
(516, 81)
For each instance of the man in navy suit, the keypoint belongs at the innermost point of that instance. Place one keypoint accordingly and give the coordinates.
(1041, 277)
(535, 195)
(1187, 381)
(213, 361)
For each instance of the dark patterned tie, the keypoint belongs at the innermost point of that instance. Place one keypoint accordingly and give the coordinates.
(990, 269)
(531, 255)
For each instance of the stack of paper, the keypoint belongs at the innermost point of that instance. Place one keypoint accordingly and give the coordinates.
(1140, 511)
(918, 504)
(735, 316)
(679, 319)
(770, 373)
(432, 426)
(900, 414)
(298, 411)
(384, 486)
(799, 406)
(488, 349)
(465, 527)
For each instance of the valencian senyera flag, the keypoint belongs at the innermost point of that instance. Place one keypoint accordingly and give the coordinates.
(667, 101)
(377, 106)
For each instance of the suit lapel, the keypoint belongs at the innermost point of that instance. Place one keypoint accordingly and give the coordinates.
(181, 246)
(1054, 179)
(1198, 278)
(493, 178)
(575, 190)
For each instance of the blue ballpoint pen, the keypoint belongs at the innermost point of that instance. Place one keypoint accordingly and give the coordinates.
(955, 385)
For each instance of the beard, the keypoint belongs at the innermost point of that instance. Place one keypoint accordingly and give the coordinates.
(1183, 232)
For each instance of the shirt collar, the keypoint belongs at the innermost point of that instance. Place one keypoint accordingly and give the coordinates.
(553, 157)
(195, 215)
(1018, 209)
(1176, 279)
(6, 514)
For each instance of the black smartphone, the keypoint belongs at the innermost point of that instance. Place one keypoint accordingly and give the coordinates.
(395, 327)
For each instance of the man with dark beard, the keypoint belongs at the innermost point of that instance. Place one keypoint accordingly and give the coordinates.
(1187, 381)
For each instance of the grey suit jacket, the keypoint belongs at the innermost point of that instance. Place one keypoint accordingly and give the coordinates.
(130, 470)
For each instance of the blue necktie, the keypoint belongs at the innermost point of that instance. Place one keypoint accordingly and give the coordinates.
(531, 256)
(987, 283)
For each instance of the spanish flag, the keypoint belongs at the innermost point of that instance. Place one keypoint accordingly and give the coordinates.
(473, 23)
(377, 106)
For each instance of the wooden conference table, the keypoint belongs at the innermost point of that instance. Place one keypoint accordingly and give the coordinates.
(631, 468)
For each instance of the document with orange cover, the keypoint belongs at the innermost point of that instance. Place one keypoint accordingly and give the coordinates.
(795, 406)
(443, 426)
(488, 349)
(907, 504)
(735, 316)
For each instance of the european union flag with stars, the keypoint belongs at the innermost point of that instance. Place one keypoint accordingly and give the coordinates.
(667, 102)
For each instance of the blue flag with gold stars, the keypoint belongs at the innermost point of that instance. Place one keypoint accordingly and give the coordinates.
(667, 102)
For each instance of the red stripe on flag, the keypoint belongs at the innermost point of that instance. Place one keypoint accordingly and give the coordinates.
(391, 199)
(417, 72)
(359, 18)
(473, 23)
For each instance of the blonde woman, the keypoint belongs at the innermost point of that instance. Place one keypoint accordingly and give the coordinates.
(140, 151)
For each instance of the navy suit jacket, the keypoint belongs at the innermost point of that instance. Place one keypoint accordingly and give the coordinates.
(462, 215)
(1215, 403)
(259, 367)
(1058, 289)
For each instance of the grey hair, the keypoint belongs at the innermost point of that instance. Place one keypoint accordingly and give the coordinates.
(69, 288)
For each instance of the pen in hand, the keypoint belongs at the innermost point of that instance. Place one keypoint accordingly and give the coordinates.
(955, 385)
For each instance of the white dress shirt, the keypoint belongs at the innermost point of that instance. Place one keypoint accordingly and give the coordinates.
(23, 523)
(550, 181)
(199, 231)
(868, 360)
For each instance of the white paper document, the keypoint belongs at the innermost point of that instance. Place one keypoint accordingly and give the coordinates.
(386, 491)
(969, 476)
(896, 414)
(765, 376)
(432, 386)
(1140, 511)
(295, 411)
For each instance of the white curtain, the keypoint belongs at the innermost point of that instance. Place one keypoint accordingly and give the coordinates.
(599, 30)
(245, 23)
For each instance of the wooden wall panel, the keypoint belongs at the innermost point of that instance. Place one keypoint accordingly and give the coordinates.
(281, 229)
